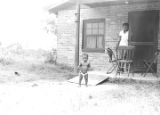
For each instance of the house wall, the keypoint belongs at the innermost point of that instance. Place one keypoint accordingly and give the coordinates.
(66, 37)
(114, 16)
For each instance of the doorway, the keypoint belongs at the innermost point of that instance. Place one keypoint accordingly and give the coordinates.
(143, 34)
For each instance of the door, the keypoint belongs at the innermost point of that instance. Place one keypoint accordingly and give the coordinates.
(143, 33)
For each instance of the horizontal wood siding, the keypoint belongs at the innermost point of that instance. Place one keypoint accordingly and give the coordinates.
(114, 17)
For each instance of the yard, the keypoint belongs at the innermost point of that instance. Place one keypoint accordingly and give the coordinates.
(36, 88)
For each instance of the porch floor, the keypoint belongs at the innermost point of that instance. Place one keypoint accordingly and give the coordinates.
(99, 77)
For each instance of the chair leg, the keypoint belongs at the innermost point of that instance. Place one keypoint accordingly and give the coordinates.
(145, 74)
(147, 71)
(117, 69)
(149, 65)
(133, 69)
(129, 66)
(121, 67)
(125, 67)
(110, 70)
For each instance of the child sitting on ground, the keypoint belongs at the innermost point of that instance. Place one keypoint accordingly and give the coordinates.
(84, 67)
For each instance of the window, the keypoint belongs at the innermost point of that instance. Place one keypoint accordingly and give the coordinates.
(93, 35)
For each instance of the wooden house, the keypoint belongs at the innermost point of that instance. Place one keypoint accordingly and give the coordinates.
(91, 26)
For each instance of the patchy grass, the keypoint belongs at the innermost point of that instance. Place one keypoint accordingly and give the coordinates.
(32, 64)
(59, 72)
(6, 61)
(125, 81)
(32, 71)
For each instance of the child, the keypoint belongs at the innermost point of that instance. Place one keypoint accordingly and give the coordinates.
(123, 35)
(83, 67)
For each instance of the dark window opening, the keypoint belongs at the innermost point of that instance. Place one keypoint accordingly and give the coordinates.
(94, 35)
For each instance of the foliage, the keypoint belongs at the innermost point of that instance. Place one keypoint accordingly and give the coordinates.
(51, 57)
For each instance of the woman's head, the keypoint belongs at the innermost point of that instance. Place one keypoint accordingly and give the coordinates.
(125, 26)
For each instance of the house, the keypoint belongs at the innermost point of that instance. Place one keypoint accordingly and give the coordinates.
(100, 23)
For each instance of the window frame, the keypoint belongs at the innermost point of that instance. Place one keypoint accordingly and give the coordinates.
(84, 40)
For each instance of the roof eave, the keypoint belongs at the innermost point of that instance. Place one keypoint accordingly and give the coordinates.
(94, 3)
(69, 3)
(61, 7)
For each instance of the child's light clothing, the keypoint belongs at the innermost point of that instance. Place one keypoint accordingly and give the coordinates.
(124, 38)
(83, 74)
(84, 66)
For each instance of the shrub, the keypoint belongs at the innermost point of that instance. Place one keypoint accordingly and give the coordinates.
(6, 61)
(52, 57)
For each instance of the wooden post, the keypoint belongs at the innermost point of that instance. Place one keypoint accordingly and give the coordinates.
(76, 58)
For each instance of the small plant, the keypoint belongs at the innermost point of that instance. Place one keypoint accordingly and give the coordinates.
(52, 57)
(6, 61)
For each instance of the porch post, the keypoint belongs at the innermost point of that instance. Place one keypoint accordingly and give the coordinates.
(76, 58)
(158, 62)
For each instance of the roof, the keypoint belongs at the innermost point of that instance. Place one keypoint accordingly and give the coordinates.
(61, 6)
(95, 3)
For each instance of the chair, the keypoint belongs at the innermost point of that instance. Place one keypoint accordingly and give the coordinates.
(125, 55)
(112, 60)
(149, 64)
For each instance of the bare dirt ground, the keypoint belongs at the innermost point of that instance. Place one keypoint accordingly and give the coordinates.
(41, 89)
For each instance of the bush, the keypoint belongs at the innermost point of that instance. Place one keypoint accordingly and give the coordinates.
(52, 57)
(6, 61)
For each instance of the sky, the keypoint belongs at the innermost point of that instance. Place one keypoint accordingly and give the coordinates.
(23, 21)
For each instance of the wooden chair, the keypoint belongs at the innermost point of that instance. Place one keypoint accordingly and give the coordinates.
(125, 55)
(112, 60)
(149, 64)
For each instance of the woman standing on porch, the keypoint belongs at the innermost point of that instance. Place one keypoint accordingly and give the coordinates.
(123, 35)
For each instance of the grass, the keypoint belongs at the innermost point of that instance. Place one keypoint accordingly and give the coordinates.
(38, 63)
(125, 81)
(61, 72)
